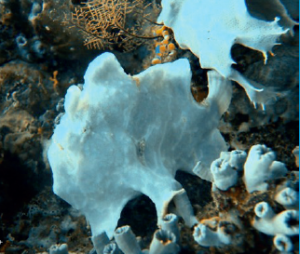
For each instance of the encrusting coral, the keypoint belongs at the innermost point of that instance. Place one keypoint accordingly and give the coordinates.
(264, 182)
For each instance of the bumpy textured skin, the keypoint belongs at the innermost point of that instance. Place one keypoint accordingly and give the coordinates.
(210, 28)
(122, 136)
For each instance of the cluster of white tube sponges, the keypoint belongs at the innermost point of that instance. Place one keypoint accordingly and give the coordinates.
(281, 225)
(214, 232)
(260, 167)
(165, 240)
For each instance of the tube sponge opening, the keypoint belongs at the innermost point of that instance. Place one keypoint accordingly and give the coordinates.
(267, 222)
(224, 176)
(126, 240)
(264, 210)
(164, 242)
(283, 243)
(59, 249)
(111, 248)
(288, 197)
(204, 236)
(170, 223)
